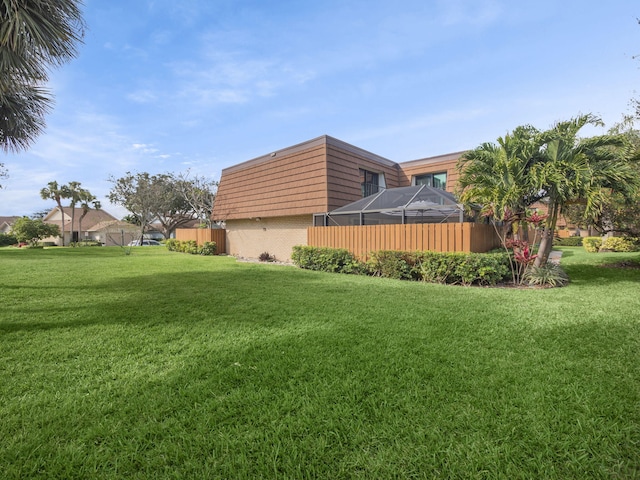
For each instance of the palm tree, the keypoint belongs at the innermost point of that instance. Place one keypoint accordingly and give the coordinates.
(86, 202)
(571, 169)
(54, 192)
(35, 35)
(497, 175)
(75, 194)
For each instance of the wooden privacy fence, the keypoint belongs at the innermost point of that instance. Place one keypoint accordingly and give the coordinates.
(201, 235)
(441, 237)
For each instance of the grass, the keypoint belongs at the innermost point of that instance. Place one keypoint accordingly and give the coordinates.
(166, 365)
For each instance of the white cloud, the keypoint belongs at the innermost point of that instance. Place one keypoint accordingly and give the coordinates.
(142, 96)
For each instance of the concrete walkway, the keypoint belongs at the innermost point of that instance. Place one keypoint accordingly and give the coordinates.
(554, 256)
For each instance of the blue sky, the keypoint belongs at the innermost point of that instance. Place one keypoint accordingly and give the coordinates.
(199, 85)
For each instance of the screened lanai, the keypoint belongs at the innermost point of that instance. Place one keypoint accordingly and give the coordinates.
(404, 205)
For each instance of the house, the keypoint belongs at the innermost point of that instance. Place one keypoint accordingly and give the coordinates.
(6, 223)
(268, 203)
(97, 225)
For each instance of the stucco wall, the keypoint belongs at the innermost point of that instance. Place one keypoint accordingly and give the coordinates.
(277, 236)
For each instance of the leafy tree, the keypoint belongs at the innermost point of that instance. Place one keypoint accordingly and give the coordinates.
(170, 208)
(571, 169)
(620, 212)
(32, 231)
(35, 35)
(137, 194)
(56, 192)
(152, 197)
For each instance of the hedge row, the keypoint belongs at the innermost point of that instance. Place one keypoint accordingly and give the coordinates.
(191, 246)
(433, 267)
(611, 244)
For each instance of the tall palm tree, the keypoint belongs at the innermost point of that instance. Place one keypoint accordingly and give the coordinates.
(55, 192)
(571, 169)
(86, 202)
(75, 194)
(35, 35)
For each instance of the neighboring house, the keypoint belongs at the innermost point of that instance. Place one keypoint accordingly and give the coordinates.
(6, 223)
(268, 203)
(97, 225)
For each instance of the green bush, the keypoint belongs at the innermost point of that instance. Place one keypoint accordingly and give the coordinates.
(7, 239)
(392, 264)
(172, 245)
(209, 248)
(434, 267)
(83, 243)
(462, 268)
(324, 259)
(620, 244)
(592, 244)
(568, 242)
(191, 247)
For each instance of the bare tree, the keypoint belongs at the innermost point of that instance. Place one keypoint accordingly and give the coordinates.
(200, 195)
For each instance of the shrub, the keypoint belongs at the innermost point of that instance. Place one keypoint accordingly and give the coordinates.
(462, 268)
(209, 248)
(189, 246)
(324, 259)
(266, 257)
(592, 244)
(434, 267)
(550, 275)
(172, 245)
(7, 239)
(83, 243)
(483, 269)
(392, 264)
(620, 244)
(568, 242)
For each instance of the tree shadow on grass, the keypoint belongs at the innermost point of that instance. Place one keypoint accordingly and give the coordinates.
(243, 295)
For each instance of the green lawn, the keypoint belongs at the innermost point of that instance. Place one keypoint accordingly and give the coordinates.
(166, 365)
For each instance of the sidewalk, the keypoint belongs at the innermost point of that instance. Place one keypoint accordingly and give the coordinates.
(554, 256)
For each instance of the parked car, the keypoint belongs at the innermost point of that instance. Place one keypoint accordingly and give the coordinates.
(145, 243)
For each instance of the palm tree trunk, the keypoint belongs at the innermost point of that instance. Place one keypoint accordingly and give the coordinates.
(546, 243)
(61, 221)
(73, 214)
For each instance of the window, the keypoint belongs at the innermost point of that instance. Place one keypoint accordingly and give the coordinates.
(369, 182)
(436, 180)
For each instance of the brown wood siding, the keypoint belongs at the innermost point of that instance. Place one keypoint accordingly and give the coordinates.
(201, 235)
(448, 237)
(293, 184)
(446, 163)
(343, 175)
